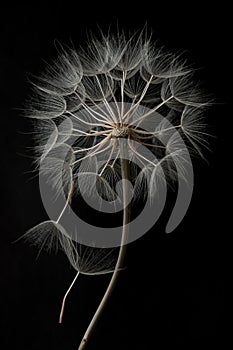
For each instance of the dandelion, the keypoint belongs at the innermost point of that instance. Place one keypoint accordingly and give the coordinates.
(98, 111)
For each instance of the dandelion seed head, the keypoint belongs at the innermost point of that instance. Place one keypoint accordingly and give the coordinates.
(118, 89)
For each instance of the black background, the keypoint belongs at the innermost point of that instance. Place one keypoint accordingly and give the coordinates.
(175, 289)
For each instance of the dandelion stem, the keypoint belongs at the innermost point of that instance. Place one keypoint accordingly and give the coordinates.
(65, 296)
(67, 202)
(122, 251)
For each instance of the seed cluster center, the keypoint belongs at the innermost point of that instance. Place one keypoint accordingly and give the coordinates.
(120, 131)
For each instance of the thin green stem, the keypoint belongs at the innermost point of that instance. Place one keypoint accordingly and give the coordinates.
(122, 250)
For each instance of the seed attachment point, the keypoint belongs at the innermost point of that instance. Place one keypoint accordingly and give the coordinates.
(120, 131)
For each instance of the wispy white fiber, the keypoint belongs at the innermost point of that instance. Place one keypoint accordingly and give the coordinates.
(86, 100)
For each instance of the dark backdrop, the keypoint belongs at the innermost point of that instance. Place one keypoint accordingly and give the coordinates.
(174, 291)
